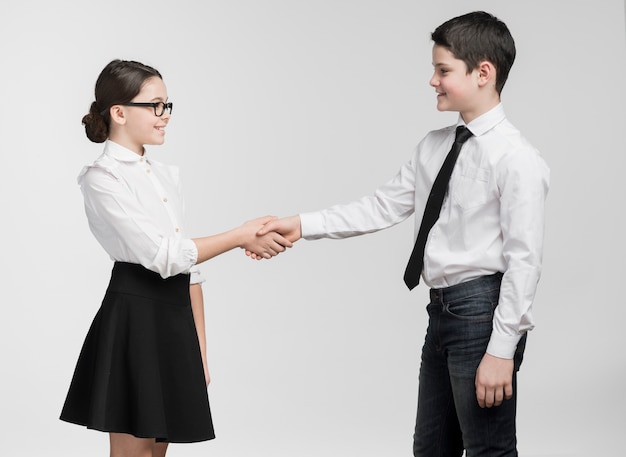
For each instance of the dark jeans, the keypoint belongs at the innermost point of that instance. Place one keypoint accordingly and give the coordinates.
(449, 418)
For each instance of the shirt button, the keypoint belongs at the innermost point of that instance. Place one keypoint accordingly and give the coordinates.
(177, 230)
(165, 200)
(148, 171)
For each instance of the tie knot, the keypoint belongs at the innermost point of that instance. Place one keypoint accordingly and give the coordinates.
(462, 134)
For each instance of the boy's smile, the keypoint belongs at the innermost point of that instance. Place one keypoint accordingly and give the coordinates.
(456, 89)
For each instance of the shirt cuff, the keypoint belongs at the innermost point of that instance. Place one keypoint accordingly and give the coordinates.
(190, 254)
(312, 226)
(503, 346)
(195, 276)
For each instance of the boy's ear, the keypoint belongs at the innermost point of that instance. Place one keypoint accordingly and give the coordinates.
(117, 114)
(486, 73)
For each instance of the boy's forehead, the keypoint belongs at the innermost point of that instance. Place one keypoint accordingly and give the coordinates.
(443, 56)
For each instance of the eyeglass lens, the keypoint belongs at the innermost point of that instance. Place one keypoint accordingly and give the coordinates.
(160, 107)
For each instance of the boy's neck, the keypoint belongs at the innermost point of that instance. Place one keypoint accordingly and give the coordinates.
(484, 105)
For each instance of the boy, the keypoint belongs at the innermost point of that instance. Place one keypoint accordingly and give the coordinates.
(479, 252)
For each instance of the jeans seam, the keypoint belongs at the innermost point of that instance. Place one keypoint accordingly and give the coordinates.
(445, 420)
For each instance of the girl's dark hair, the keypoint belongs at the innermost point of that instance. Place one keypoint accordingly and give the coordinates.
(479, 36)
(119, 82)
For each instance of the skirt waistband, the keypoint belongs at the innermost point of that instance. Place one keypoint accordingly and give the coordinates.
(135, 279)
(466, 289)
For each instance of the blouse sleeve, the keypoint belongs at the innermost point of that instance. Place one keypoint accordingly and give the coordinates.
(196, 276)
(126, 229)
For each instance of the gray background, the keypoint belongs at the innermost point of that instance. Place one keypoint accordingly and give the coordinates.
(289, 106)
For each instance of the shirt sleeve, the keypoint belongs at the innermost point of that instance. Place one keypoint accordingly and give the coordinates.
(125, 229)
(196, 276)
(523, 179)
(391, 204)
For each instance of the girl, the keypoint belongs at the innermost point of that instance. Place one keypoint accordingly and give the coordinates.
(142, 372)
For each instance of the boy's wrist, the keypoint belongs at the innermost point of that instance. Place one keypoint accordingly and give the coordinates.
(311, 225)
(503, 346)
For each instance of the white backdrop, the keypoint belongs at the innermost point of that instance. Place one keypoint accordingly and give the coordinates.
(289, 106)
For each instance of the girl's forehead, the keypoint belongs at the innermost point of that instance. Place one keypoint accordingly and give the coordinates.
(154, 89)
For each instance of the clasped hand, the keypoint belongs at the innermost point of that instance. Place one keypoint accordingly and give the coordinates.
(275, 234)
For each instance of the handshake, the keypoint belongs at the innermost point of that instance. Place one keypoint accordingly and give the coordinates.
(268, 236)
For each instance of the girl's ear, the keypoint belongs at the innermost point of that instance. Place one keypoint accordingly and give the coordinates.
(486, 73)
(117, 114)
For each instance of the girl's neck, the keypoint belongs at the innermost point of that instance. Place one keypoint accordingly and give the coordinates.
(122, 140)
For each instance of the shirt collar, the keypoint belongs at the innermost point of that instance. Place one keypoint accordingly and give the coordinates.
(485, 122)
(122, 154)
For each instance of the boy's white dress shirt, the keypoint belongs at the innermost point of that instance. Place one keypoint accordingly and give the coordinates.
(492, 219)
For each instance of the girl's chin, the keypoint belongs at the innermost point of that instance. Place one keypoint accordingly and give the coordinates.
(158, 140)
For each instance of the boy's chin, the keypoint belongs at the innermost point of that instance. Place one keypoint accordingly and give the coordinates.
(445, 107)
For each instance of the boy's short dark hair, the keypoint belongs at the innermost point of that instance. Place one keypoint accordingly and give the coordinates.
(479, 36)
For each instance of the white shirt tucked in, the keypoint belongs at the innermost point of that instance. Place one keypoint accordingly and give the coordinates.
(134, 206)
(492, 218)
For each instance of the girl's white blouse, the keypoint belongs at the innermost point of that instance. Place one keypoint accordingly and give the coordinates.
(134, 206)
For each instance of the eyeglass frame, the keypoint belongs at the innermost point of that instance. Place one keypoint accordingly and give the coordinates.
(166, 106)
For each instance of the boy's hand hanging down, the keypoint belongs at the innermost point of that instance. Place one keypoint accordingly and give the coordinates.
(494, 381)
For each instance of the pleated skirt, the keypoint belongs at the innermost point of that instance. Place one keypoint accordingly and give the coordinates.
(140, 369)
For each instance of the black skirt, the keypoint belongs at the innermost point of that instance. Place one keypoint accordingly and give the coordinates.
(140, 369)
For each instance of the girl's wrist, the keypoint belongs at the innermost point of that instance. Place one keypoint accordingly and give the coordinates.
(241, 238)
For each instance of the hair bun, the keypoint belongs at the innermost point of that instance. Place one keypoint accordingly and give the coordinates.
(96, 127)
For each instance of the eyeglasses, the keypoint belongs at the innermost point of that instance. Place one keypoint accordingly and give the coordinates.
(159, 107)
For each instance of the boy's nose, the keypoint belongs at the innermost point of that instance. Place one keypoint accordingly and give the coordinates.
(433, 81)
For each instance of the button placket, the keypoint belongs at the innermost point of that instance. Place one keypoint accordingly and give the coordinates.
(164, 200)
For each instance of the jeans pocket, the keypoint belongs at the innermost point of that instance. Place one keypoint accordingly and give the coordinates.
(472, 309)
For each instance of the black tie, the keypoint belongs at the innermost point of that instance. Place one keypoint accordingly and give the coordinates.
(433, 207)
